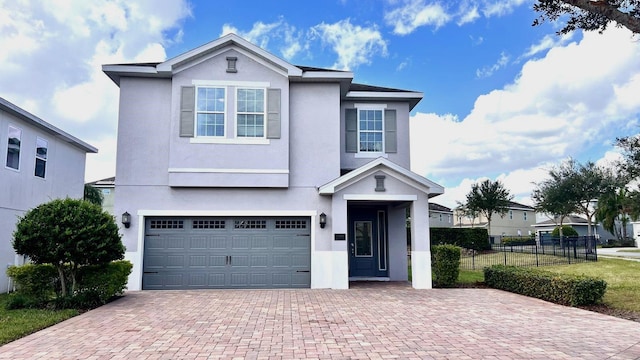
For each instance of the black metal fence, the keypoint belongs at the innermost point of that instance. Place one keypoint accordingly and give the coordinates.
(542, 252)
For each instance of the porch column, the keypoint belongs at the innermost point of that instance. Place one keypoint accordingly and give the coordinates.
(420, 244)
(339, 248)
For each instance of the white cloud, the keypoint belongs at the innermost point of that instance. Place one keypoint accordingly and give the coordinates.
(261, 33)
(53, 51)
(501, 7)
(548, 42)
(489, 70)
(578, 96)
(354, 44)
(414, 14)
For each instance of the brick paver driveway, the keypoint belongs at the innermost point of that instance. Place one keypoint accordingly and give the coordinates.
(367, 322)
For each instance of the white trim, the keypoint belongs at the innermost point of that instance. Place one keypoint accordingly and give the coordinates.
(423, 184)
(196, 112)
(264, 112)
(228, 213)
(257, 84)
(228, 171)
(370, 155)
(370, 106)
(382, 94)
(236, 141)
(380, 197)
(20, 147)
(327, 75)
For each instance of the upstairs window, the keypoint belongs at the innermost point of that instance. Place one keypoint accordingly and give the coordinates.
(41, 157)
(13, 148)
(250, 112)
(524, 216)
(370, 130)
(210, 111)
(510, 214)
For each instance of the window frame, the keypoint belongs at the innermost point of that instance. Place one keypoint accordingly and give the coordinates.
(41, 158)
(238, 113)
(359, 131)
(6, 162)
(197, 112)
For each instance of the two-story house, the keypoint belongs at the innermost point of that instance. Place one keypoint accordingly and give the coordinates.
(41, 163)
(517, 221)
(108, 189)
(440, 216)
(241, 170)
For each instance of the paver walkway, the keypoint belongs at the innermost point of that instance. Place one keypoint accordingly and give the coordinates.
(365, 322)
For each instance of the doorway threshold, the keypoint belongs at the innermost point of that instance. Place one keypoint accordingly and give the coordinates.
(368, 278)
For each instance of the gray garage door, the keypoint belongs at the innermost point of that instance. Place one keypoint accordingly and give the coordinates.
(215, 252)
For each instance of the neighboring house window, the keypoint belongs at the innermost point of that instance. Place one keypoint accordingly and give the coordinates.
(510, 214)
(210, 111)
(13, 148)
(449, 219)
(525, 216)
(250, 112)
(440, 217)
(41, 157)
(370, 131)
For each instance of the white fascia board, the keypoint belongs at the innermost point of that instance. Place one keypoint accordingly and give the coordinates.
(385, 95)
(228, 171)
(168, 65)
(346, 75)
(129, 68)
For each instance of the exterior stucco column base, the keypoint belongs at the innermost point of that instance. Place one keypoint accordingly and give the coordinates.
(421, 270)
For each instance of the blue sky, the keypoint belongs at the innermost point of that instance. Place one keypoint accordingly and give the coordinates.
(502, 99)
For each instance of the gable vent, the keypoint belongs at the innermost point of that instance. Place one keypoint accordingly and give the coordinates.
(231, 64)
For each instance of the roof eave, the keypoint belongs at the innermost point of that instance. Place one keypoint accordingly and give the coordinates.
(43, 125)
(412, 96)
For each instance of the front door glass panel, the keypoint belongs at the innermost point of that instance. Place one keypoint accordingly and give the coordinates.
(363, 239)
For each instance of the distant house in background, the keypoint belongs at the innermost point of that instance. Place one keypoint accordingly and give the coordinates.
(41, 163)
(107, 187)
(440, 216)
(516, 222)
(579, 224)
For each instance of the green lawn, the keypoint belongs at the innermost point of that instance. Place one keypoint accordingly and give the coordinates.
(622, 277)
(15, 324)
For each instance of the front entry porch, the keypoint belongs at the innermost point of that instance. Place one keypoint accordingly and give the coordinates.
(368, 243)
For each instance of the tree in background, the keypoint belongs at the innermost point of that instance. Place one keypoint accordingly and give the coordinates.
(616, 207)
(590, 14)
(68, 232)
(488, 198)
(93, 195)
(555, 197)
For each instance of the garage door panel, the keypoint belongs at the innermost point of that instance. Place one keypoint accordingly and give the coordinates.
(197, 261)
(217, 260)
(189, 253)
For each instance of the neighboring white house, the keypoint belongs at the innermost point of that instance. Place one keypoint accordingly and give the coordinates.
(41, 163)
(517, 221)
(440, 216)
(108, 189)
(241, 170)
(579, 224)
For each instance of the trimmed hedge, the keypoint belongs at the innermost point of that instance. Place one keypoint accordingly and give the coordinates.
(37, 285)
(474, 238)
(445, 265)
(518, 240)
(561, 289)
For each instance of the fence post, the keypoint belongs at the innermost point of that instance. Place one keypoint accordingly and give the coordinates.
(505, 256)
(537, 262)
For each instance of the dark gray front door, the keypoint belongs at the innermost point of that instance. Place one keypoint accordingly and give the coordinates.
(367, 242)
(202, 253)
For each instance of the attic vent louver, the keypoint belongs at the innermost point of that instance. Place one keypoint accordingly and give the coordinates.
(380, 183)
(231, 64)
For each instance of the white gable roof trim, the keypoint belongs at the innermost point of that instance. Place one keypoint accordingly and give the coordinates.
(45, 126)
(410, 178)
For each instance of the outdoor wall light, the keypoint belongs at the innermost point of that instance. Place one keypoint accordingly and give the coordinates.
(126, 219)
(323, 220)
